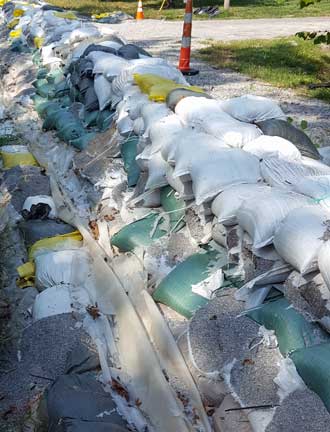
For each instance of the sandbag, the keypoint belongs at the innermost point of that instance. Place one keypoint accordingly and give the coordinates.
(34, 230)
(317, 187)
(72, 240)
(192, 147)
(194, 110)
(68, 267)
(176, 289)
(107, 64)
(292, 330)
(252, 109)
(102, 89)
(138, 126)
(173, 206)
(229, 167)
(162, 130)
(140, 233)
(41, 199)
(323, 261)
(53, 301)
(182, 188)
(262, 215)
(266, 147)
(226, 205)
(175, 95)
(79, 399)
(153, 112)
(300, 236)
(312, 364)
(283, 173)
(24, 181)
(156, 172)
(16, 155)
(128, 152)
(287, 131)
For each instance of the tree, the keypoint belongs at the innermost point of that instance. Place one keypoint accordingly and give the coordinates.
(226, 4)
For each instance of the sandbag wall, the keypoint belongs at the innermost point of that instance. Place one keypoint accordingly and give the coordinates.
(246, 187)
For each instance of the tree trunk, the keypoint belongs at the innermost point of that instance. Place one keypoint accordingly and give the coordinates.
(226, 4)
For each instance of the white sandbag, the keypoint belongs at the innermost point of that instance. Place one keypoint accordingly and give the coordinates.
(226, 205)
(53, 301)
(156, 172)
(162, 130)
(273, 146)
(261, 216)
(194, 110)
(182, 188)
(38, 199)
(250, 108)
(324, 262)
(135, 102)
(301, 235)
(317, 187)
(227, 168)
(72, 267)
(80, 34)
(107, 64)
(102, 89)
(233, 132)
(194, 146)
(152, 112)
(283, 173)
(138, 126)
(325, 154)
(124, 124)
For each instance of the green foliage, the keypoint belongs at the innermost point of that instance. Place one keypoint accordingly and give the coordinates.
(305, 3)
(284, 62)
(303, 124)
(317, 37)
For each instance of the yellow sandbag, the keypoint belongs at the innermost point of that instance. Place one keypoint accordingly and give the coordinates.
(13, 23)
(38, 41)
(16, 155)
(63, 241)
(3, 2)
(66, 15)
(15, 33)
(159, 92)
(146, 81)
(26, 274)
(102, 15)
(18, 12)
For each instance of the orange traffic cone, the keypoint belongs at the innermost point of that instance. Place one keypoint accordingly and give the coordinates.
(184, 62)
(139, 13)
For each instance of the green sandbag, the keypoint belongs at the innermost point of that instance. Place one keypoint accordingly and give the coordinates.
(52, 112)
(55, 76)
(42, 73)
(70, 132)
(61, 88)
(139, 233)
(43, 88)
(313, 365)
(289, 132)
(82, 142)
(36, 58)
(175, 207)
(40, 104)
(90, 118)
(128, 153)
(104, 120)
(175, 290)
(292, 330)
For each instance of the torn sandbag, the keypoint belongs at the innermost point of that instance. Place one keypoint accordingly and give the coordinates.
(24, 181)
(252, 109)
(78, 400)
(284, 129)
(31, 212)
(191, 283)
(16, 155)
(292, 330)
(52, 301)
(300, 236)
(262, 215)
(173, 206)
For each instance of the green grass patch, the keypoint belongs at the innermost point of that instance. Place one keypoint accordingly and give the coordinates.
(239, 8)
(284, 62)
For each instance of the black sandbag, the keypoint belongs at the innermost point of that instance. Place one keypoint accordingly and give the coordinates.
(84, 84)
(102, 48)
(287, 131)
(34, 230)
(75, 402)
(132, 52)
(174, 96)
(91, 101)
(24, 181)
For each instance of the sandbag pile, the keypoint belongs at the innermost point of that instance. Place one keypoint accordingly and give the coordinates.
(247, 188)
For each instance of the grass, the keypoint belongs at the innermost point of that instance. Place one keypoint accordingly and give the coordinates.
(239, 8)
(284, 62)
